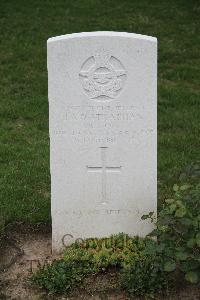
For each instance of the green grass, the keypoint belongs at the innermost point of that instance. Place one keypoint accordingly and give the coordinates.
(26, 25)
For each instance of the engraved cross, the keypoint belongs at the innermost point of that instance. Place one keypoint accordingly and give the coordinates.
(104, 169)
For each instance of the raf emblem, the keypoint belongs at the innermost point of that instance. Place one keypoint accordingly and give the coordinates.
(102, 76)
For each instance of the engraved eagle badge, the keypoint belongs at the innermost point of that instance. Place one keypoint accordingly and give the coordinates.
(102, 76)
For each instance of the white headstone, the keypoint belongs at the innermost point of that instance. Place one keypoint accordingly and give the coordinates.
(103, 149)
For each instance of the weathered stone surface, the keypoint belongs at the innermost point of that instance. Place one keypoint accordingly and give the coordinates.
(102, 111)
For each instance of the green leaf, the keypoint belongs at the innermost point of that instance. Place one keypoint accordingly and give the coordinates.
(161, 247)
(169, 201)
(182, 176)
(172, 208)
(186, 221)
(191, 243)
(181, 255)
(180, 212)
(169, 266)
(185, 187)
(198, 239)
(154, 233)
(175, 188)
(188, 265)
(192, 277)
(166, 220)
(179, 203)
(150, 248)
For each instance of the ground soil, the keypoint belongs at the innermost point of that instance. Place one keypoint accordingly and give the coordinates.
(25, 249)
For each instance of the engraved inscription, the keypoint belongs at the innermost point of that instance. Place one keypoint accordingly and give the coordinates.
(103, 211)
(101, 113)
(103, 124)
(102, 76)
(104, 169)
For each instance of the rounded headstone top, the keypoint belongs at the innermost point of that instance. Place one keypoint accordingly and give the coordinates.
(102, 34)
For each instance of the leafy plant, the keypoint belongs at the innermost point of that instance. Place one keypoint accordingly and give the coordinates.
(178, 231)
(91, 257)
(145, 275)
